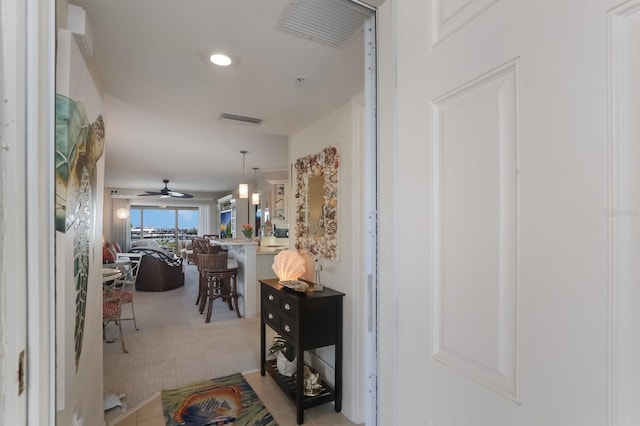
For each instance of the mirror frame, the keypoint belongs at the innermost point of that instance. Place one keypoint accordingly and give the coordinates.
(326, 164)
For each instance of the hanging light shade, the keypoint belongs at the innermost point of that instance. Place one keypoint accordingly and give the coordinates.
(243, 188)
(255, 195)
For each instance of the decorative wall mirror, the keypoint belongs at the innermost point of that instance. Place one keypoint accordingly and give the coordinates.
(317, 203)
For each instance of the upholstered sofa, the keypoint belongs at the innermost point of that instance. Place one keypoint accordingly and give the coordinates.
(158, 271)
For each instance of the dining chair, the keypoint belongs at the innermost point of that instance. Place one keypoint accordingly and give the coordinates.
(128, 282)
(112, 303)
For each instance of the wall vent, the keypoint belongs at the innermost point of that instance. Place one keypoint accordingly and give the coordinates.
(225, 116)
(332, 22)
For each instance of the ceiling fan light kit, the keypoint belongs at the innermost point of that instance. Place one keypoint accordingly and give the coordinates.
(166, 192)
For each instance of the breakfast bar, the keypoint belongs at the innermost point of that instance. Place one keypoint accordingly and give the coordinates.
(244, 252)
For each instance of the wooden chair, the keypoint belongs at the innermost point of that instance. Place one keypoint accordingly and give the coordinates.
(200, 246)
(217, 281)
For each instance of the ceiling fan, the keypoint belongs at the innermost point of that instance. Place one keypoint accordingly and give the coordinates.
(166, 192)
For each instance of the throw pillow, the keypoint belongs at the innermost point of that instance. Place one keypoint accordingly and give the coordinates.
(108, 256)
(116, 246)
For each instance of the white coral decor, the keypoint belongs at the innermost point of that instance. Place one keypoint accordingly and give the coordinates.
(288, 265)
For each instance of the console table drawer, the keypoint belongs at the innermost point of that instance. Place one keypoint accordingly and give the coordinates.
(272, 317)
(289, 307)
(288, 328)
(271, 297)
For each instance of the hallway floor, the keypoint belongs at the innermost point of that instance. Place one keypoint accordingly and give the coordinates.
(280, 407)
(169, 322)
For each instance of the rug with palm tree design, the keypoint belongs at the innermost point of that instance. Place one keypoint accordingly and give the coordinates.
(225, 400)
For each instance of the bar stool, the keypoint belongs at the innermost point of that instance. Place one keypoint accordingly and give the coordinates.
(217, 280)
(231, 277)
(200, 246)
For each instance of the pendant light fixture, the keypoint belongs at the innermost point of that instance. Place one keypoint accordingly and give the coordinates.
(255, 196)
(243, 188)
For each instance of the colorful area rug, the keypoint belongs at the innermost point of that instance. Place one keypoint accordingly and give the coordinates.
(221, 401)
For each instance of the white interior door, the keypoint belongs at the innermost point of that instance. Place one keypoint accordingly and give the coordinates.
(501, 273)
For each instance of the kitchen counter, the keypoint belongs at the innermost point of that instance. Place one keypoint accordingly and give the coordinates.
(254, 263)
(270, 249)
(244, 252)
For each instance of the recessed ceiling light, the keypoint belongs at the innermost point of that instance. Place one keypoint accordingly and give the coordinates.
(220, 59)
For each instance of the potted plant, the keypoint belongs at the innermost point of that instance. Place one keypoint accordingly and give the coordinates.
(285, 356)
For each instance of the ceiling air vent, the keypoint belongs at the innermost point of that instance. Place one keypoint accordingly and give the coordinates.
(225, 116)
(332, 22)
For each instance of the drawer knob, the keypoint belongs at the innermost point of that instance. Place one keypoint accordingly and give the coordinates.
(271, 297)
(287, 307)
(287, 328)
(270, 315)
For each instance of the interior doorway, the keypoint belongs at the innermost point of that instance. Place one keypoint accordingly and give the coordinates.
(367, 283)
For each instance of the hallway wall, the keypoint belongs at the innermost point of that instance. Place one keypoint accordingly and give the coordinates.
(79, 392)
(338, 129)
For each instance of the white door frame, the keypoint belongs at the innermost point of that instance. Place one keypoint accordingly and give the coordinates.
(28, 78)
(13, 318)
(370, 210)
(623, 24)
(37, 49)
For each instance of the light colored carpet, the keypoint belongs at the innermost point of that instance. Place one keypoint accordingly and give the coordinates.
(174, 345)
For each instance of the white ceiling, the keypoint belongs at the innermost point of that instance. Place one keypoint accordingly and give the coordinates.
(162, 99)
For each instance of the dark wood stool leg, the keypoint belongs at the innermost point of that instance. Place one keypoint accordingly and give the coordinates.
(199, 288)
(205, 291)
(234, 293)
(210, 289)
(229, 291)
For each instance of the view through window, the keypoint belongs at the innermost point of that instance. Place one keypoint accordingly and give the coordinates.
(168, 226)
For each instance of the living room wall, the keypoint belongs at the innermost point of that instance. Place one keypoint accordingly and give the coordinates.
(341, 129)
(79, 389)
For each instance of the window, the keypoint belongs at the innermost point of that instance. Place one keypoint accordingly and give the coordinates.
(168, 226)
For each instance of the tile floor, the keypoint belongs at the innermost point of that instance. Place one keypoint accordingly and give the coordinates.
(280, 407)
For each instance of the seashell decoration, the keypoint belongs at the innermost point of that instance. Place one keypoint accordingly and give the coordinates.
(326, 164)
(288, 265)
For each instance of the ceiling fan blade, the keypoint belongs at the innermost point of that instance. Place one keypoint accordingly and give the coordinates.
(166, 192)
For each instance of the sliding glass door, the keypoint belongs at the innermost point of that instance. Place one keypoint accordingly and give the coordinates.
(168, 226)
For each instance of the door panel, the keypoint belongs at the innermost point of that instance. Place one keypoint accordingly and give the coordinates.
(502, 277)
(474, 172)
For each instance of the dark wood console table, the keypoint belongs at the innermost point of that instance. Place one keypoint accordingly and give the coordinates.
(307, 320)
